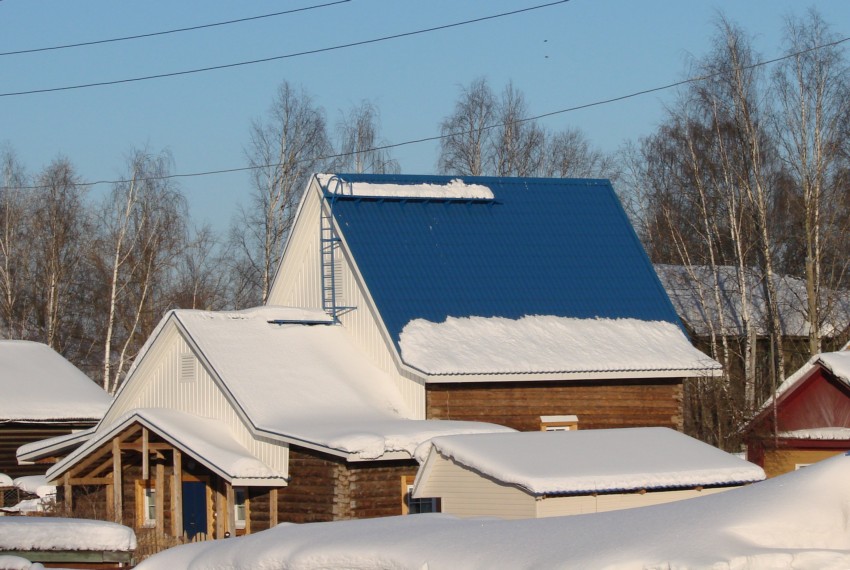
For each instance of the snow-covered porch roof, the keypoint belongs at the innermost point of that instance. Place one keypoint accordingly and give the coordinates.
(592, 461)
(548, 345)
(52, 447)
(206, 440)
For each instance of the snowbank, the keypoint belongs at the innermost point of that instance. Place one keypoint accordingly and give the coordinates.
(48, 533)
(35, 485)
(6, 481)
(795, 521)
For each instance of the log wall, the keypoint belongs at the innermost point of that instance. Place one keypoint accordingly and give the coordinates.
(519, 405)
(13, 435)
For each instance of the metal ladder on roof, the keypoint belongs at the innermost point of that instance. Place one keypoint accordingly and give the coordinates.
(331, 268)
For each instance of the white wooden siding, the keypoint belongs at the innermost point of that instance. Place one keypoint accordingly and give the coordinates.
(298, 284)
(560, 506)
(156, 384)
(465, 493)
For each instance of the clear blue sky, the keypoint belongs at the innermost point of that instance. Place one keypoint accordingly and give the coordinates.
(561, 56)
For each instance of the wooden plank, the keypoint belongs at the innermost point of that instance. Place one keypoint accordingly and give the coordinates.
(90, 480)
(160, 497)
(117, 482)
(152, 446)
(145, 456)
(273, 507)
(230, 507)
(177, 495)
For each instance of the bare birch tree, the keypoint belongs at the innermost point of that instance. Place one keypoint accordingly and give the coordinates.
(285, 149)
(16, 254)
(518, 144)
(810, 122)
(359, 139)
(466, 132)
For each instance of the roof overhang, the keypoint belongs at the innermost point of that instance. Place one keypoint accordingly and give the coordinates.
(60, 445)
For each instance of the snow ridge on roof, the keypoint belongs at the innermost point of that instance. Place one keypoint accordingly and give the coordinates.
(38, 385)
(453, 189)
(548, 344)
(603, 460)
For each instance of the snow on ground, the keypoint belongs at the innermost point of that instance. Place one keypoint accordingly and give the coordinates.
(798, 521)
(454, 189)
(541, 344)
(35, 485)
(49, 533)
(570, 461)
(17, 563)
(40, 385)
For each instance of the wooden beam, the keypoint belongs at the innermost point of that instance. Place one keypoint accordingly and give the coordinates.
(160, 497)
(69, 493)
(145, 459)
(117, 482)
(273, 507)
(220, 509)
(230, 496)
(177, 495)
(154, 446)
(90, 480)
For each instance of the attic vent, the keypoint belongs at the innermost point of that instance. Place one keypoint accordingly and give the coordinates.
(188, 368)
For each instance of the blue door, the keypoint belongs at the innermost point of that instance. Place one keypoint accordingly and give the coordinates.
(194, 507)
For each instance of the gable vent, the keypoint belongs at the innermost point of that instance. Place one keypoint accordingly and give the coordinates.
(188, 368)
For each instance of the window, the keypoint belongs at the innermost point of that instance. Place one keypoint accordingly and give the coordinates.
(240, 494)
(146, 501)
(411, 506)
(558, 423)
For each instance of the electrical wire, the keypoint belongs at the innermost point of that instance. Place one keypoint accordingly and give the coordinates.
(174, 31)
(286, 56)
(456, 133)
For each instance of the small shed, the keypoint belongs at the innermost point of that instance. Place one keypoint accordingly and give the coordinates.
(807, 420)
(42, 395)
(543, 474)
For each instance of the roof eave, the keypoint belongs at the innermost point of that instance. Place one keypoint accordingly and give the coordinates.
(449, 378)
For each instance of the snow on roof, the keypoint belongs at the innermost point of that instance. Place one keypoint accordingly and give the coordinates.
(53, 533)
(600, 460)
(207, 440)
(5, 480)
(310, 383)
(838, 363)
(39, 385)
(454, 189)
(823, 434)
(548, 344)
(691, 290)
(35, 485)
(796, 520)
(32, 452)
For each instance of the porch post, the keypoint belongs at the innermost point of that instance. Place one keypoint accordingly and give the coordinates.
(177, 495)
(145, 457)
(230, 496)
(160, 497)
(273, 507)
(69, 492)
(117, 483)
(220, 509)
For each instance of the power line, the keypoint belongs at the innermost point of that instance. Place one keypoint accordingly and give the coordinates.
(488, 127)
(174, 31)
(286, 56)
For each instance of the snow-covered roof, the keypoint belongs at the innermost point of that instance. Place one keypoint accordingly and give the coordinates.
(32, 452)
(39, 385)
(309, 383)
(453, 189)
(821, 434)
(797, 520)
(692, 291)
(54, 533)
(838, 363)
(549, 344)
(588, 461)
(207, 440)
(5, 480)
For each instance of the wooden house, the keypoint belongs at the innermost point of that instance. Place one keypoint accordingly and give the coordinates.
(807, 420)
(42, 395)
(539, 474)
(404, 308)
(232, 422)
(494, 299)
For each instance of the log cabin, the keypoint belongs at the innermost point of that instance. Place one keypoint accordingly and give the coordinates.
(42, 395)
(404, 308)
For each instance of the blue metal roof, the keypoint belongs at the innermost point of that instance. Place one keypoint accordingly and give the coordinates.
(559, 247)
